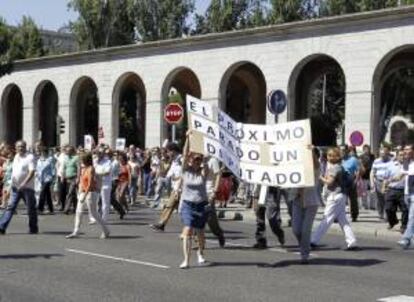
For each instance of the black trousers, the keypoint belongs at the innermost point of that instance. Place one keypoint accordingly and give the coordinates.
(63, 190)
(114, 202)
(353, 201)
(71, 197)
(394, 200)
(271, 210)
(380, 199)
(45, 197)
(213, 222)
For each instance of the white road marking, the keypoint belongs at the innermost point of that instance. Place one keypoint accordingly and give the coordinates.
(118, 258)
(401, 298)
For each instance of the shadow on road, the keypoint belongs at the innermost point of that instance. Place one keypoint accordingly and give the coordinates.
(59, 233)
(126, 222)
(316, 261)
(124, 237)
(29, 256)
(330, 261)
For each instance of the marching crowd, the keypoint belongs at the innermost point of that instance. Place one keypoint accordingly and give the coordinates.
(68, 179)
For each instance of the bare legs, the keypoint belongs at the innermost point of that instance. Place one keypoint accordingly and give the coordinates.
(186, 237)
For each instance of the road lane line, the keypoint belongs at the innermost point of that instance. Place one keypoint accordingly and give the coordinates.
(118, 258)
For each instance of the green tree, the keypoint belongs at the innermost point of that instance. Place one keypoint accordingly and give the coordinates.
(160, 19)
(286, 11)
(102, 23)
(339, 7)
(26, 41)
(226, 15)
(257, 13)
(5, 37)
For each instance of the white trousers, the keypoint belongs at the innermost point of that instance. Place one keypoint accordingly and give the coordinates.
(106, 204)
(335, 209)
(91, 201)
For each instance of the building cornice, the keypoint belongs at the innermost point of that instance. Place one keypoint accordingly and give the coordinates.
(343, 23)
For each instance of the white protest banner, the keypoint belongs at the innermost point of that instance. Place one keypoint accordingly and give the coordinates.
(88, 142)
(199, 107)
(271, 155)
(120, 144)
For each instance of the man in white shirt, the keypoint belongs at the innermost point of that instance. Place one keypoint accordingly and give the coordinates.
(378, 173)
(103, 169)
(174, 174)
(394, 193)
(409, 193)
(62, 188)
(22, 188)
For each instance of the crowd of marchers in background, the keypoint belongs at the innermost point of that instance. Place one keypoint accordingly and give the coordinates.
(67, 179)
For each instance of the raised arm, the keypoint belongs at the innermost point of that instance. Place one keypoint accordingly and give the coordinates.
(186, 151)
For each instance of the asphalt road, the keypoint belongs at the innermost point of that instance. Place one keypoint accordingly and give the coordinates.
(136, 264)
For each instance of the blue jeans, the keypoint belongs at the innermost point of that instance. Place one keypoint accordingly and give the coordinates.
(28, 195)
(147, 183)
(409, 232)
(302, 221)
(133, 188)
(162, 184)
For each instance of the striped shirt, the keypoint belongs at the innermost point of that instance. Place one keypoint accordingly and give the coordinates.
(395, 170)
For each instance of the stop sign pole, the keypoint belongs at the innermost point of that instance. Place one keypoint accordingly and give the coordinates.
(173, 114)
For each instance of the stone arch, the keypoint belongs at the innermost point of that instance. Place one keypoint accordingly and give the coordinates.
(179, 83)
(306, 94)
(242, 93)
(12, 114)
(129, 109)
(45, 112)
(388, 99)
(84, 110)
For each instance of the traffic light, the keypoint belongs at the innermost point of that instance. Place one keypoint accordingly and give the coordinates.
(60, 124)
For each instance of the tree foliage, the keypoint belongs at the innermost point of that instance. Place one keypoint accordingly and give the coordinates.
(286, 11)
(26, 41)
(5, 37)
(226, 15)
(102, 23)
(160, 19)
(105, 23)
(21, 42)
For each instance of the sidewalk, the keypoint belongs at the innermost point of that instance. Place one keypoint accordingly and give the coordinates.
(368, 224)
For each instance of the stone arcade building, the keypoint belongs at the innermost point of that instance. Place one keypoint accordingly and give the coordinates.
(234, 70)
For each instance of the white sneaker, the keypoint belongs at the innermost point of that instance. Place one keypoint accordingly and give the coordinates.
(73, 235)
(200, 258)
(352, 246)
(91, 222)
(104, 235)
(184, 265)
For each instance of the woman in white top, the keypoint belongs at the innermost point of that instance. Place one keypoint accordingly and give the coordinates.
(335, 201)
(192, 204)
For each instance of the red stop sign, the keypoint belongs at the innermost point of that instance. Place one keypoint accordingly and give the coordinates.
(173, 113)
